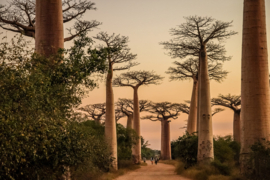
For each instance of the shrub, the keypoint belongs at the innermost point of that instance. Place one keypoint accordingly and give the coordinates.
(39, 135)
(185, 148)
(125, 139)
(226, 150)
(259, 162)
(146, 152)
(224, 169)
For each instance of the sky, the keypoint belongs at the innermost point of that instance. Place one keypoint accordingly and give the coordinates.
(147, 23)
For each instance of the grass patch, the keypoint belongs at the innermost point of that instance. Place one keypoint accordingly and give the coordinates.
(124, 167)
(213, 171)
(179, 165)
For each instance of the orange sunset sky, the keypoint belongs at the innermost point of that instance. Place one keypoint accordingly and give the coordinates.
(147, 23)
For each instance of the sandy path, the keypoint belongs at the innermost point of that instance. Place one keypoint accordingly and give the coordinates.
(153, 172)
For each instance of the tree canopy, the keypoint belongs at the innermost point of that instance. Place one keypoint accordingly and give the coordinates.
(163, 111)
(189, 36)
(118, 50)
(137, 78)
(126, 105)
(230, 101)
(190, 68)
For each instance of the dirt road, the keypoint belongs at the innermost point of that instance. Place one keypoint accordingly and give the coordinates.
(153, 172)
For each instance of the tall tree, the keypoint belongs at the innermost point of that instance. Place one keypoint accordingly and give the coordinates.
(232, 102)
(198, 37)
(20, 16)
(255, 83)
(164, 112)
(135, 79)
(126, 107)
(189, 69)
(117, 53)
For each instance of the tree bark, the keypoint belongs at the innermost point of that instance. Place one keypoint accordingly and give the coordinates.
(205, 143)
(167, 140)
(130, 121)
(49, 27)
(236, 126)
(199, 87)
(110, 124)
(162, 148)
(255, 81)
(136, 151)
(165, 152)
(192, 117)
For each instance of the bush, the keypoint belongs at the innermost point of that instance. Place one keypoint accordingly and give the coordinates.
(146, 152)
(185, 148)
(224, 169)
(226, 152)
(126, 138)
(39, 135)
(259, 162)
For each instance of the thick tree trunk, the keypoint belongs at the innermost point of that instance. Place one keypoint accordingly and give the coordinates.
(162, 148)
(205, 143)
(198, 102)
(255, 85)
(136, 151)
(167, 155)
(110, 124)
(130, 121)
(165, 140)
(192, 117)
(49, 27)
(236, 126)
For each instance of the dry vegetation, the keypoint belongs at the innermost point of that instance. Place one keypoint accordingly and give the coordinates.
(198, 172)
(124, 167)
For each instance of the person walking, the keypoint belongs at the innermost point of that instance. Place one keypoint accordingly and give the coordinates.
(144, 159)
(156, 160)
(152, 159)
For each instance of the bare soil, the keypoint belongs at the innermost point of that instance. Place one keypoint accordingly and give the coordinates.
(153, 172)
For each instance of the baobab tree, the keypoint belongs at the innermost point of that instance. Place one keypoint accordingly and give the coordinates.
(255, 83)
(95, 111)
(135, 79)
(164, 112)
(117, 53)
(21, 16)
(187, 70)
(198, 37)
(126, 107)
(232, 102)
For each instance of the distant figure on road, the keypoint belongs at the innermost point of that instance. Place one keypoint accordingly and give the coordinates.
(144, 159)
(156, 160)
(152, 159)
